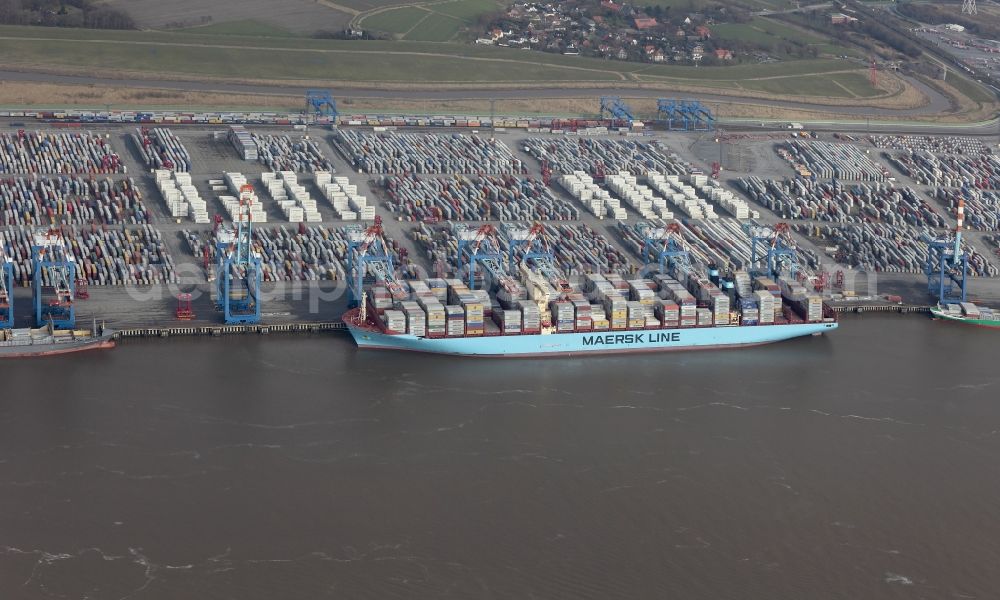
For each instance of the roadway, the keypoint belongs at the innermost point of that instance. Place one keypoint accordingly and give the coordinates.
(937, 103)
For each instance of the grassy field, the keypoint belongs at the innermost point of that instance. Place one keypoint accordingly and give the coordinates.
(177, 54)
(303, 17)
(763, 31)
(435, 28)
(834, 85)
(972, 90)
(366, 5)
(437, 21)
(857, 83)
(686, 6)
(466, 10)
(247, 27)
(472, 53)
(251, 63)
(397, 20)
(800, 86)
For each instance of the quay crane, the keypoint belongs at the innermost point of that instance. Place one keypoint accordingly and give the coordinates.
(538, 260)
(320, 103)
(947, 265)
(238, 278)
(529, 250)
(54, 270)
(6, 291)
(482, 247)
(775, 248)
(614, 107)
(684, 115)
(665, 246)
(368, 256)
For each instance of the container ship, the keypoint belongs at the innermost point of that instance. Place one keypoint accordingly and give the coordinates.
(606, 315)
(967, 313)
(47, 341)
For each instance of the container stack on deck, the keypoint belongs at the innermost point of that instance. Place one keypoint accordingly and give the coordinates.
(51, 153)
(161, 149)
(70, 200)
(281, 153)
(484, 198)
(403, 153)
(103, 256)
(344, 197)
(180, 195)
(843, 203)
(293, 199)
(602, 302)
(832, 161)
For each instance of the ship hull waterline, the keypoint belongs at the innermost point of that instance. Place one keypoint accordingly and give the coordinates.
(943, 316)
(589, 343)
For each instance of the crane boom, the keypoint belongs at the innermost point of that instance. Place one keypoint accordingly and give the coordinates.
(368, 256)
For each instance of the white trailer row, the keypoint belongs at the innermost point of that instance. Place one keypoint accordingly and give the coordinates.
(598, 201)
(344, 197)
(181, 196)
(639, 196)
(292, 198)
(683, 196)
(234, 183)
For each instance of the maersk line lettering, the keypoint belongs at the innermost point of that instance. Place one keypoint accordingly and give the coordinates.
(614, 339)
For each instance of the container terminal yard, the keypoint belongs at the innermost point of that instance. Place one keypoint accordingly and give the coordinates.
(145, 211)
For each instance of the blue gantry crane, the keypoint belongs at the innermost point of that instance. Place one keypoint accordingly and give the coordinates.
(947, 264)
(6, 291)
(481, 247)
(238, 272)
(614, 108)
(321, 103)
(478, 246)
(663, 245)
(369, 259)
(772, 250)
(53, 281)
(528, 247)
(684, 115)
(668, 114)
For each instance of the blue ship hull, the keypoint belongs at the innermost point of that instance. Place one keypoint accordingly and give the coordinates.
(563, 344)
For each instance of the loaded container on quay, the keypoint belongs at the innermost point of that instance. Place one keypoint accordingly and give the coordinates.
(604, 314)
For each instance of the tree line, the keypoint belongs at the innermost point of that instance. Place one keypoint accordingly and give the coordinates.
(63, 13)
